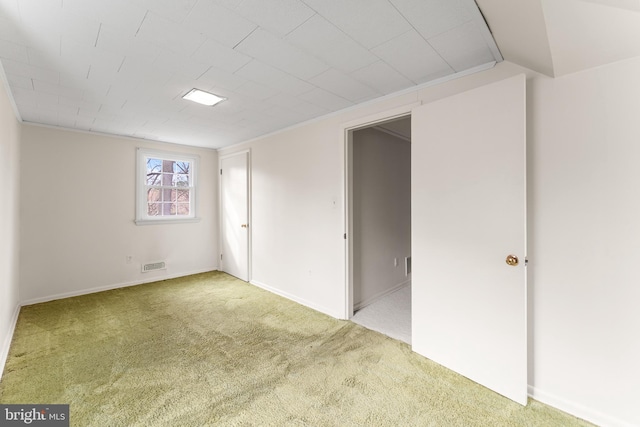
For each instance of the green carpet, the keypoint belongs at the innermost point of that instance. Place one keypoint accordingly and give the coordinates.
(211, 350)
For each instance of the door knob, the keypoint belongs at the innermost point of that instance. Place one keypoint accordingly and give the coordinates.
(244, 226)
(512, 260)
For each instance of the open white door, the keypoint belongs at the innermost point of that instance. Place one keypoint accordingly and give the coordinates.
(234, 215)
(468, 215)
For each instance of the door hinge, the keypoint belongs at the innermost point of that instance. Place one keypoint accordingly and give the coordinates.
(345, 236)
(220, 256)
(220, 171)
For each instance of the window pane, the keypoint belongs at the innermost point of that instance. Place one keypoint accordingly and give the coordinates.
(154, 167)
(183, 208)
(168, 195)
(181, 180)
(182, 167)
(168, 209)
(167, 166)
(153, 209)
(167, 179)
(154, 195)
(183, 196)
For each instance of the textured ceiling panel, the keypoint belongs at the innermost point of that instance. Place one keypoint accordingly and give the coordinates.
(122, 66)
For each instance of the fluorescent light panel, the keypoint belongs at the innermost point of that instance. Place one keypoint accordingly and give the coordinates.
(202, 97)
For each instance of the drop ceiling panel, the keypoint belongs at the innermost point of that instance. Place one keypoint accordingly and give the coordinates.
(433, 17)
(121, 66)
(278, 16)
(322, 39)
(361, 19)
(413, 57)
(276, 52)
(218, 23)
(169, 35)
(382, 77)
(462, 47)
(343, 85)
(223, 57)
(270, 76)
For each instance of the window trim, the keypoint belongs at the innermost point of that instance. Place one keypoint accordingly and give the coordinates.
(142, 155)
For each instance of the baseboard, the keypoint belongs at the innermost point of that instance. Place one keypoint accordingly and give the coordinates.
(6, 345)
(294, 298)
(371, 300)
(577, 410)
(110, 287)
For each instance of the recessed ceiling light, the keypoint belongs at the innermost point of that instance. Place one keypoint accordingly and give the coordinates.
(202, 97)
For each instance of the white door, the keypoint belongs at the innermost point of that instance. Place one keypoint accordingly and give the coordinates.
(468, 215)
(234, 207)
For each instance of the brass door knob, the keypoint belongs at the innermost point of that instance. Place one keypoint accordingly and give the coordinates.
(512, 260)
(244, 226)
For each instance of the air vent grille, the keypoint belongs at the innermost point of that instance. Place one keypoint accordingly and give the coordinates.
(154, 266)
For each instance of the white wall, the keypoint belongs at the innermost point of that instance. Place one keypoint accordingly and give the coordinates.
(584, 205)
(78, 210)
(9, 221)
(381, 213)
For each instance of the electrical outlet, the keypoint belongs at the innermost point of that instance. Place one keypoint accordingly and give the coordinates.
(129, 259)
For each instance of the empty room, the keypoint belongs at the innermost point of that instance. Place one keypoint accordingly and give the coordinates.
(320, 212)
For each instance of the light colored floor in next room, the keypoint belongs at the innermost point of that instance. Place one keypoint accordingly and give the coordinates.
(390, 315)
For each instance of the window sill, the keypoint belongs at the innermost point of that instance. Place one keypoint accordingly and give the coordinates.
(165, 221)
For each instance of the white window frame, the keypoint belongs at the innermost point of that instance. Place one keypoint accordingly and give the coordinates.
(142, 218)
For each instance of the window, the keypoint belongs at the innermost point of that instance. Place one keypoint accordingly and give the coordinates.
(166, 187)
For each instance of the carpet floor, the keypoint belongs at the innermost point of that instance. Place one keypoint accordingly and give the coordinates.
(210, 350)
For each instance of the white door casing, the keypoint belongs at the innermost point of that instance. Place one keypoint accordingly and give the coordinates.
(234, 214)
(469, 307)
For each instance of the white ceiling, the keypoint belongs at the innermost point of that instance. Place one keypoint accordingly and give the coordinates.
(122, 66)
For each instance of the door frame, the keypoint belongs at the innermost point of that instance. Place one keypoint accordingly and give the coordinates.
(346, 148)
(249, 210)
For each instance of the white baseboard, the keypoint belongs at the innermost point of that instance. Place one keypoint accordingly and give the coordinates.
(294, 298)
(577, 410)
(110, 287)
(371, 300)
(6, 345)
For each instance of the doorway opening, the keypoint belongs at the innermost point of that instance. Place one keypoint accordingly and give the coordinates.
(379, 181)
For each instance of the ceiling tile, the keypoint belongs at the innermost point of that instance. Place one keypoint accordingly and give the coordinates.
(412, 56)
(221, 79)
(222, 57)
(55, 89)
(122, 16)
(322, 39)
(343, 85)
(256, 91)
(369, 22)
(30, 71)
(168, 34)
(276, 52)
(181, 64)
(112, 40)
(219, 23)
(462, 47)
(433, 17)
(14, 51)
(174, 10)
(278, 16)
(326, 100)
(382, 78)
(11, 31)
(18, 81)
(265, 74)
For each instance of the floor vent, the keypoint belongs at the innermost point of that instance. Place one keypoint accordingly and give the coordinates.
(154, 266)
